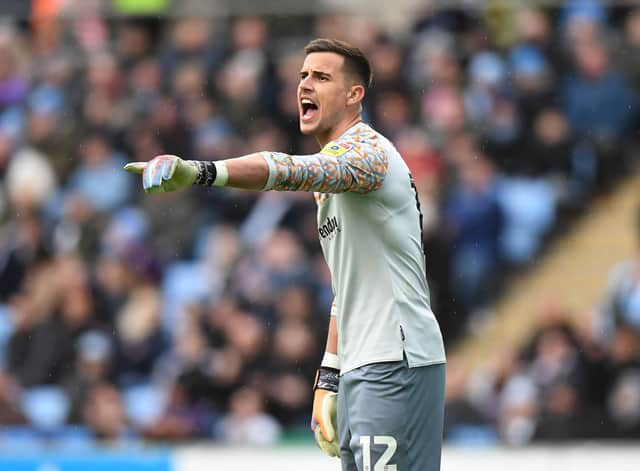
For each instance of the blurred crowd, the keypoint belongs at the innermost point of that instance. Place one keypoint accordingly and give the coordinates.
(203, 313)
(576, 378)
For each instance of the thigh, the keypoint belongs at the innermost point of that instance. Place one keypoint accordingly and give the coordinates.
(425, 424)
(374, 415)
(390, 418)
(347, 458)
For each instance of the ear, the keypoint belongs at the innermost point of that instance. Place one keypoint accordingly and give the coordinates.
(355, 94)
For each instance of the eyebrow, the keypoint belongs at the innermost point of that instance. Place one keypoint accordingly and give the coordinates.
(317, 73)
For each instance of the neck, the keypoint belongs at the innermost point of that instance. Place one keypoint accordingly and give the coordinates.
(335, 132)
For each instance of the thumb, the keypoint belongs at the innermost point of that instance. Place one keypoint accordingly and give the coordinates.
(135, 167)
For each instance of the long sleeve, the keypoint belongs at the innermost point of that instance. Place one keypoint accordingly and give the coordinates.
(339, 167)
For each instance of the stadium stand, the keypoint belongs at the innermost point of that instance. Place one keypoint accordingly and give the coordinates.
(115, 327)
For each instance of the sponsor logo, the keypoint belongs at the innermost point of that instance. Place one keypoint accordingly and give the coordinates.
(335, 149)
(329, 229)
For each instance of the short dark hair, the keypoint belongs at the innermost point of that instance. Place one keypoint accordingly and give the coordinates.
(354, 59)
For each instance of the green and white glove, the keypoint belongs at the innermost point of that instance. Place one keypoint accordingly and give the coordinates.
(324, 419)
(169, 173)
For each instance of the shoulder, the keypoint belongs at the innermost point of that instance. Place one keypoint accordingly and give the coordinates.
(360, 140)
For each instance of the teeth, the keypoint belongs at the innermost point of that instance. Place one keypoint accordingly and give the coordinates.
(306, 101)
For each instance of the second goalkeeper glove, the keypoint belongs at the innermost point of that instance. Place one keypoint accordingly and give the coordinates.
(165, 173)
(324, 420)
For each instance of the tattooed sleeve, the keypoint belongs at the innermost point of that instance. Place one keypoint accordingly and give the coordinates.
(346, 165)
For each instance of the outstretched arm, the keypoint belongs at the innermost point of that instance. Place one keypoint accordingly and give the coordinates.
(169, 173)
(359, 169)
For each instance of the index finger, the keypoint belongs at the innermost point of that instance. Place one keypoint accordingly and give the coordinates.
(135, 167)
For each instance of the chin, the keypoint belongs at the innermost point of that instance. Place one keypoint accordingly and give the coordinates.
(308, 129)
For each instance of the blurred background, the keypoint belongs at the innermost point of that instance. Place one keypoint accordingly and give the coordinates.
(132, 326)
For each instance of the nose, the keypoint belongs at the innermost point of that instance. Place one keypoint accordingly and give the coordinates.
(305, 84)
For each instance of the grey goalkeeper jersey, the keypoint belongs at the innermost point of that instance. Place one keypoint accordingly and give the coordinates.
(369, 224)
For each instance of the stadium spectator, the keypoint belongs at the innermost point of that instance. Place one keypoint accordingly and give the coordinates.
(626, 54)
(93, 354)
(104, 412)
(600, 104)
(10, 413)
(464, 422)
(474, 221)
(246, 422)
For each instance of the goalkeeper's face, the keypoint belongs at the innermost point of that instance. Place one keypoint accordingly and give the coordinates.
(323, 93)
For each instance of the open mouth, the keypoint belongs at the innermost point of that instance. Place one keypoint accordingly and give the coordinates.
(308, 109)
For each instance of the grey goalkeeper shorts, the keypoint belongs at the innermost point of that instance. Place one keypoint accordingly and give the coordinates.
(390, 417)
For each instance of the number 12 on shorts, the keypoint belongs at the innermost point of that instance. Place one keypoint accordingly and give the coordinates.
(381, 464)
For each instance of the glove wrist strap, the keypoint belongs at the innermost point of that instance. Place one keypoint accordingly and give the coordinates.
(211, 173)
(327, 378)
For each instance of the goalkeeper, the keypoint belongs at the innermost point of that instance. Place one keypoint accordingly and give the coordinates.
(379, 391)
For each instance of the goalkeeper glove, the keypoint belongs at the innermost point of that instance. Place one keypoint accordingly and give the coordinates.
(324, 421)
(165, 173)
